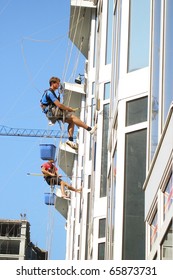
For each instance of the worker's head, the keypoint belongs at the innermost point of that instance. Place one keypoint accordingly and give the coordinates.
(54, 80)
(51, 160)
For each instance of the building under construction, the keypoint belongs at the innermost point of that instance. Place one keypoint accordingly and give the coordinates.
(15, 242)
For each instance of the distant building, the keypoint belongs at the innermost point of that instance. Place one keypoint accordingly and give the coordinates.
(15, 242)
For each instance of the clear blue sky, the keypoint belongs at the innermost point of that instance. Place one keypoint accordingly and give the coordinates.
(34, 46)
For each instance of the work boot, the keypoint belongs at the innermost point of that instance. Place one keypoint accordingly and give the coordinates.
(72, 145)
(93, 130)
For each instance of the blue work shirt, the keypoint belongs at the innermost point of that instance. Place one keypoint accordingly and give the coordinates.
(48, 95)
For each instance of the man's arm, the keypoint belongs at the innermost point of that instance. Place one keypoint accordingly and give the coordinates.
(47, 173)
(58, 104)
(63, 107)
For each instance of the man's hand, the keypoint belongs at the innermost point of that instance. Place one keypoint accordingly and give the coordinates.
(73, 109)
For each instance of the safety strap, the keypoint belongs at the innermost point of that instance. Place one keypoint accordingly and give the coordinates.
(48, 98)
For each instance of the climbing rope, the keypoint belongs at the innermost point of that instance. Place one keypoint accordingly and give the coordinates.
(50, 224)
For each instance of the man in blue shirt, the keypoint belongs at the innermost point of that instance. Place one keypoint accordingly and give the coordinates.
(56, 111)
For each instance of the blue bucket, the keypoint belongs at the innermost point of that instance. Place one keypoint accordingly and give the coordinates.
(49, 198)
(47, 151)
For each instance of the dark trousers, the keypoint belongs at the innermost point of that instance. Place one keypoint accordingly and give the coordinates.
(52, 180)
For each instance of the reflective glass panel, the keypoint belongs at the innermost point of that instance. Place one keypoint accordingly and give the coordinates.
(136, 111)
(139, 33)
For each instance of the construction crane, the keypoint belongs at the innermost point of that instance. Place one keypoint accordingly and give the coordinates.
(8, 131)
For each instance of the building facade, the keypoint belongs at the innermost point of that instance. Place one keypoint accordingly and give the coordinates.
(158, 185)
(125, 211)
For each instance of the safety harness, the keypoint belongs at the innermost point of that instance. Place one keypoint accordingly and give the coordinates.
(53, 113)
(45, 106)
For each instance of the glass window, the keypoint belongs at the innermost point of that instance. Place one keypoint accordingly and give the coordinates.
(87, 225)
(9, 247)
(153, 230)
(93, 106)
(89, 182)
(115, 55)
(109, 31)
(167, 245)
(106, 91)
(102, 225)
(101, 251)
(168, 81)
(108, 219)
(103, 182)
(139, 34)
(92, 119)
(168, 195)
(135, 171)
(113, 197)
(90, 149)
(95, 41)
(155, 75)
(136, 111)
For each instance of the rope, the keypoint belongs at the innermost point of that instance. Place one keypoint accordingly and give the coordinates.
(73, 75)
(50, 225)
(75, 67)
(31, 77)
(77, 58)
(74, 36)
(69, 57)
(5, 7)
(43, 41)
(51, 220)
(17, 168)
